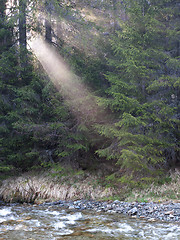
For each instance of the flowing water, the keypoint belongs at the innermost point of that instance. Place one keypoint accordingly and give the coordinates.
(19, 222)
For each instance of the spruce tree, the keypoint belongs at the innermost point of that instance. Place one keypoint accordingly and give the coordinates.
(144, 88)
(35, 123)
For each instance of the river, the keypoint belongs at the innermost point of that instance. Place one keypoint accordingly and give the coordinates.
(20, 222)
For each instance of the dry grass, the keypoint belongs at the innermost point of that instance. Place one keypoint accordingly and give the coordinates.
(41, 187)
(159, 193)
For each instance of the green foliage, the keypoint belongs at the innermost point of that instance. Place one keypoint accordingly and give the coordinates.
(139, 88)
(5, 168)
(35, 124)
(56, 170)
(111, 177)
(143, 92)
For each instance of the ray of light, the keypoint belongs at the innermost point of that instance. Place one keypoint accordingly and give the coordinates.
(76, 94)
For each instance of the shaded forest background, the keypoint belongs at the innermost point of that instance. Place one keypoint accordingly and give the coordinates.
(127, 55)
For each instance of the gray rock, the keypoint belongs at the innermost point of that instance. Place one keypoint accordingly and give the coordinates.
(152, 211)
(133, 211)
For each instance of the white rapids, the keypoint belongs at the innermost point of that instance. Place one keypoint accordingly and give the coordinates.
(43, 223)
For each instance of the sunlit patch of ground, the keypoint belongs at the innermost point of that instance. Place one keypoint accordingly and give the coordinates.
(94, 15)
(82, 26)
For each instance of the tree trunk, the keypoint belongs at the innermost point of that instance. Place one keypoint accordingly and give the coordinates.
(48, 35)
(2, 20)
(22, 34)
(6, 34)
(2, 9)
(48, 28)
(115, 24)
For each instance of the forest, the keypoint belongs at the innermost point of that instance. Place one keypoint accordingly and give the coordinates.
(93, 85)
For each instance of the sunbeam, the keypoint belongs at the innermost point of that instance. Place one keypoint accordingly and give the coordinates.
(76, 94)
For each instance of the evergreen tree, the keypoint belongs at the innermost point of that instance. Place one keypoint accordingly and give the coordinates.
(142, 96)
(144, 90)
(35, 124)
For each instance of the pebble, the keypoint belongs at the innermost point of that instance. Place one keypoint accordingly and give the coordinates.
(133, 211)
(169, 213)
(151, 220)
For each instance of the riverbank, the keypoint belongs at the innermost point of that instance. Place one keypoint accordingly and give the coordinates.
(49, 185)
(151, 212)
(153, 203)
(33, 187)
